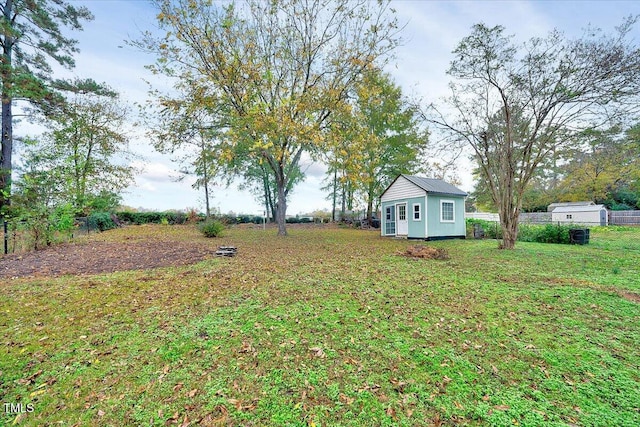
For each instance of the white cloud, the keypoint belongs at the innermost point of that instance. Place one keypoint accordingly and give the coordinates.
(155, 172)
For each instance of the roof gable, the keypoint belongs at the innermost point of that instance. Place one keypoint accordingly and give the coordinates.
(429, 185)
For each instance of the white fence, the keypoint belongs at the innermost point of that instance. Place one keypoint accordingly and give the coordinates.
(486, 216)
(615, 217)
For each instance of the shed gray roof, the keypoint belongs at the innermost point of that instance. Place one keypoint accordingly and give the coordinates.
(582, 208)
(552, 206)
(432, 185)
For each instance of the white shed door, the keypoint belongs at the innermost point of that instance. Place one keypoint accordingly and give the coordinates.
(403, 222)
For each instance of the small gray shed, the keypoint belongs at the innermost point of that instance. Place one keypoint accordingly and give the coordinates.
(581, 215)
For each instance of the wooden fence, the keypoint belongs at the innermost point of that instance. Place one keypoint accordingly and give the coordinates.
(624, 217)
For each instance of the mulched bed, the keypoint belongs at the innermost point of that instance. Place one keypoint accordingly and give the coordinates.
(101, 257)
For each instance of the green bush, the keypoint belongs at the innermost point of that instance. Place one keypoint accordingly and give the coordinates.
(549, 233)
(211, 228)
(101, 221)
(553, 233)
(63, 218)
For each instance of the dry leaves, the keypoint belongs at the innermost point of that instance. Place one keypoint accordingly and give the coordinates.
(317, 352)
(425, 252)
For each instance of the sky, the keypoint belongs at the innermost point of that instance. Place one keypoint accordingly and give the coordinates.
(432, 31)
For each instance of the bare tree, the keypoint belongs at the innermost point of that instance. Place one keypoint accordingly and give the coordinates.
(514, 105)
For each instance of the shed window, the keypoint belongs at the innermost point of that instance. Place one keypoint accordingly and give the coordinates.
(569, 216)
(417, 216)
(447, 211)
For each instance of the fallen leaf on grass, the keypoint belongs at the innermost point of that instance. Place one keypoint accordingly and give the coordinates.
(398, 385)
(246, 348)
(38, 392)
(346, 399)
(391, 413)
(237, 403)
(28, 380)
(502, 407)
(318, 352)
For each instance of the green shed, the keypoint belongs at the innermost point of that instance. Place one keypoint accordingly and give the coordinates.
(422, 208)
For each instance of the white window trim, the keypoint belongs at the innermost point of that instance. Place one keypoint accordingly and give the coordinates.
(453, 202)
(419, 212)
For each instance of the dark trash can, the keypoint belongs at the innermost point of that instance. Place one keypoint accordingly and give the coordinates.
(478, 231)
(579, 236)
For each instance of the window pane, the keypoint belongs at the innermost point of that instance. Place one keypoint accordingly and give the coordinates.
(447, 211)
(402, 212)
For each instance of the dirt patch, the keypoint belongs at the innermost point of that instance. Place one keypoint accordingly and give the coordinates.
(425, 252)
(102, 257)
(633, 297)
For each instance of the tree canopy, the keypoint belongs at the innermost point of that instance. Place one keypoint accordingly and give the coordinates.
(280, 68)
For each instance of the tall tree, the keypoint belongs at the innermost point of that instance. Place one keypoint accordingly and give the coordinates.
(384, 137)
(85, 150)
(31, 33)
(281, 67)
(516, 105)
(190, 122)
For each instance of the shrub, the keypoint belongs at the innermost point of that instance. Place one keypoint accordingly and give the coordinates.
(101, 220)
(211, 228)
(549, 233)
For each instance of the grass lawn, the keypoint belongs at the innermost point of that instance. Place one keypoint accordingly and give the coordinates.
(331, 327)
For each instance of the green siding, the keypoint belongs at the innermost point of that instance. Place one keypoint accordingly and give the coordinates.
(436, 227)
(416, 228)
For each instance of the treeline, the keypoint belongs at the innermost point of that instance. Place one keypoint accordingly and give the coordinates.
(105, 221)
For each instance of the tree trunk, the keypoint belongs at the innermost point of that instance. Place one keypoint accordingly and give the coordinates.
(270, 210)
(7, 149)
(335, 190)
(6, 138)
(343, 209)
(281, 207)
(509, 215)
(206, 192)
(370, 196)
